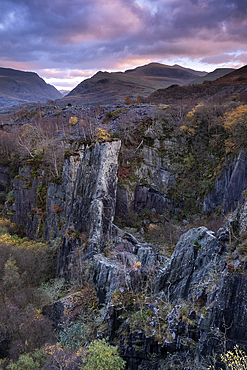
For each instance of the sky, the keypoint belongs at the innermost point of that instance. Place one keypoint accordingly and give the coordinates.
(66, 41)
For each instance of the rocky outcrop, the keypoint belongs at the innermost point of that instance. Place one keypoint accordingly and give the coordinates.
(154, 168)
(210, 309)
(66, 309)
(93, 202)
(156, 176)
(118, 271)
(106, 277)
(225, 324)
(229, 186)
(25, 195)
(92, 206)
(196, 254)
(59, 199)
(148, 197)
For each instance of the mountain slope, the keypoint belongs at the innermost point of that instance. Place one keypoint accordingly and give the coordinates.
(113, 87)
(18, 87)
(232, 86)
(212, 76)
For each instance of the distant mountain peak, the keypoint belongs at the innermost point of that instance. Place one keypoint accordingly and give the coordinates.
(113, 87)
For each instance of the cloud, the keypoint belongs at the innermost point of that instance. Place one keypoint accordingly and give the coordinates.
(90, 35)
(68, 74)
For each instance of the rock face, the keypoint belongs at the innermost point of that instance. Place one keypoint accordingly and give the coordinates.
(229, 186)
(155, 175)
(67, 308)
(92, 206)
(196, 254)
(146, 196)
(94, 196)
(111, 273)
(4, 178)
(225, 323)
(59, 199)
(198, 278)
(26, 201)
(84, 202)
(105, 277)
(156, 170)
(197, 270)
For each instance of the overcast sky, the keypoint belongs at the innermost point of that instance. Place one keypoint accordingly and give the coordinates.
(65, 41)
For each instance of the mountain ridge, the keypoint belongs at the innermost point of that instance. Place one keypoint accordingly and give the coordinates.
(231, 86)
(112, 87)
(17, 87)
(212, 76)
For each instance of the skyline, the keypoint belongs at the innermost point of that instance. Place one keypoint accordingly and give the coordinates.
(66, 41)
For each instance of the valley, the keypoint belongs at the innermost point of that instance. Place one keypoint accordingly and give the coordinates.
(123, 223)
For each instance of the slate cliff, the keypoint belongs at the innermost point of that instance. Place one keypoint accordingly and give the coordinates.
(196, 298)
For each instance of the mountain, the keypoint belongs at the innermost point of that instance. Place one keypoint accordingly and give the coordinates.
(18, 87)
(212, 76)
(232, 86)
(64, 92)
(113, 87)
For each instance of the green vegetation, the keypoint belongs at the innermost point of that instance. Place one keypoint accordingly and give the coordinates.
(24, 265)
(31, 361)
(27, 284)
(103, 356)
(111, 116)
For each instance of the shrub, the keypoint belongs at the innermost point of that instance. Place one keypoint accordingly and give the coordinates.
(73, 121)
(32, 259)
(102, 135)
(73, 335)
(29, 361)
(103, 356)
(11, 277)
(242, 248)
(235, 359)
(54, 289)
(63, 358)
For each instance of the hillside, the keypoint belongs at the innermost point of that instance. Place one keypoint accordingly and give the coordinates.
(18, 87)
(113, 87)
(130, 225)
(212, 76)
(232, 86)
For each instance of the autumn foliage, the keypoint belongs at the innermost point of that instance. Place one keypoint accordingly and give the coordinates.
(236, 125)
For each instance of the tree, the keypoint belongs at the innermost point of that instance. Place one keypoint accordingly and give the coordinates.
(103, 356)
(236, 125)
(139, 99)
(11, 277)
(127, 100)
